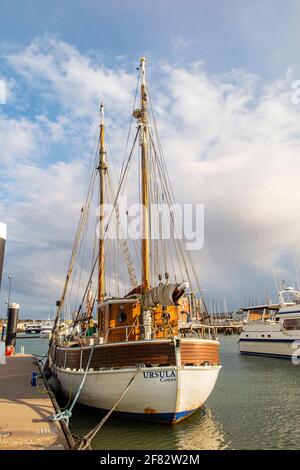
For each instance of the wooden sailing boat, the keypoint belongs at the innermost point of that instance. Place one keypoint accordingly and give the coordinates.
(138, 339)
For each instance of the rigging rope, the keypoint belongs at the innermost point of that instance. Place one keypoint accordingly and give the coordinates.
(171, 195)
(78, 239)
(123, 178)
(124, 243)
(157, 162)
(66, 414)
(78, 236)
(85, 441)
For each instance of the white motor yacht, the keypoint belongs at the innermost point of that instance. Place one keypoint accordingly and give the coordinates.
(273, 330)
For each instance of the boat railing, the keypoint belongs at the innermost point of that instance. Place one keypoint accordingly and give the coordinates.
(198, 330)
(129, 330)
(185, 330)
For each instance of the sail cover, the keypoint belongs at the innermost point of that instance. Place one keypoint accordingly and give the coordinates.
(164, 294)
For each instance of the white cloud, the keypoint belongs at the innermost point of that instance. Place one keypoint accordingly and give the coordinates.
(41, 210)
(70, 79)
(231, 142)
(19, 139)
(238, 148)
(179, 43)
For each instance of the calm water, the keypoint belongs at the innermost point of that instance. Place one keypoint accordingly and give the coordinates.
(255, 405)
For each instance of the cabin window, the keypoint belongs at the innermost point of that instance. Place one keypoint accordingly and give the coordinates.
(292, 324)
(121, 317)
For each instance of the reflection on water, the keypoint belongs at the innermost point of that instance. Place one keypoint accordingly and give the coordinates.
(254, 405)
(200, 431)
(257, 401)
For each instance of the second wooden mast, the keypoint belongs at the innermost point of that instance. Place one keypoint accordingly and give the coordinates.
(144, 138)
(102, 172)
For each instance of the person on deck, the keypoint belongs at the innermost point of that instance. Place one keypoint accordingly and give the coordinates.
(92, 328)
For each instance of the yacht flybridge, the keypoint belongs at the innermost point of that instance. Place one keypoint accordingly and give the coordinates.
(272, 330)
(46, 329)
(128, 349)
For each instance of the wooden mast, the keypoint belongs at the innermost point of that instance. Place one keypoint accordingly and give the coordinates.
(144, 180)
(102, 171)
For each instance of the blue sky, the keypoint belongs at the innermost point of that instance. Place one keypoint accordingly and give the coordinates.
(221, 76)
(260, 35)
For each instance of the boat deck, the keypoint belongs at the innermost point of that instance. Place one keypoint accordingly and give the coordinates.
(25, 410)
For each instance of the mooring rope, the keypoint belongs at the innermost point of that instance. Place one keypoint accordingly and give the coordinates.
(85, 442)
(66, 414)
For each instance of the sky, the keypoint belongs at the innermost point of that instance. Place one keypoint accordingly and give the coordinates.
(222, 75)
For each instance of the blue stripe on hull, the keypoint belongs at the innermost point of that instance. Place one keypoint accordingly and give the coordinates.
(278, 356)
(165, 418)
(266, 340)
(289, 313)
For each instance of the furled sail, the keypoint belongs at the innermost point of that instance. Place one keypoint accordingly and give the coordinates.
(164, 294)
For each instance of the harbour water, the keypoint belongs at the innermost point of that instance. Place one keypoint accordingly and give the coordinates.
(255, 405)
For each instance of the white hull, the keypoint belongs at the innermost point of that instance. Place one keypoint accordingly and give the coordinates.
(164, 394)
(277, 332)
(45, 334)
(279, 348)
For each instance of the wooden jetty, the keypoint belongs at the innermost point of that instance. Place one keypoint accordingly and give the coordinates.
(216, 326)
(25, 409)
(228, 327)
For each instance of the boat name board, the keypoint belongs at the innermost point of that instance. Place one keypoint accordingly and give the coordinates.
(162, 375)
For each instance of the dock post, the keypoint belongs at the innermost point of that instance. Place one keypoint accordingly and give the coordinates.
(12, 324)
(3, 230)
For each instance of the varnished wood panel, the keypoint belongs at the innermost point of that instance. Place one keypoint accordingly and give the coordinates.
(118, 356)
(127, 355)
(198, 353)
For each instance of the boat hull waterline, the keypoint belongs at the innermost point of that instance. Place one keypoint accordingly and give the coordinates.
(273, 347)
(273, 330)
(164, 393)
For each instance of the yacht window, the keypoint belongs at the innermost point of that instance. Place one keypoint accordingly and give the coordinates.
(292, 324)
